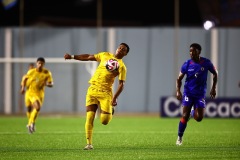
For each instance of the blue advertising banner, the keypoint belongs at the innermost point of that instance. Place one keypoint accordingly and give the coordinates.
(220, 107)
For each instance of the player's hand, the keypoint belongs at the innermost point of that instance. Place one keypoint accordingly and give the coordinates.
(213, 93)
(67, 56)
(179, 95)
(114, 102)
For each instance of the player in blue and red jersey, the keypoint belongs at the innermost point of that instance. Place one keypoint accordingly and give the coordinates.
(193, 98)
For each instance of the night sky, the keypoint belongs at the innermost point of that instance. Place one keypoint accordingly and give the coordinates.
(114, 13)
(140, 13)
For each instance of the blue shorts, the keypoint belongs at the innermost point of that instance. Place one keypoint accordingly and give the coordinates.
(197, 102)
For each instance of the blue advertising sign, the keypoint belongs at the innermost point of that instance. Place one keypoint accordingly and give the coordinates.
(220, 107)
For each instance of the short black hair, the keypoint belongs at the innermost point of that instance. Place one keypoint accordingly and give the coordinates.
(31, 64)
(196, 45)
(126, 45)
(41, 59)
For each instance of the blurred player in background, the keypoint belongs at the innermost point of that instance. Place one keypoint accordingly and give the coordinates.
(100, 90)
(196, 71)
(29, 108)
(36, 79)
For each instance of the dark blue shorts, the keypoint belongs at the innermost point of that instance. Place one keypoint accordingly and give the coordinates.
(196, 102)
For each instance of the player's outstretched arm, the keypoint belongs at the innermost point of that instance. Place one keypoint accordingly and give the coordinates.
(81, 57)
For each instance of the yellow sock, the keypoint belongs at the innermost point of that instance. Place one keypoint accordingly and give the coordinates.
(33, 116)
(89, 126)
(105, 118)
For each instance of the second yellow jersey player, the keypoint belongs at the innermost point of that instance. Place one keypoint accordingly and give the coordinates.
(35, 80)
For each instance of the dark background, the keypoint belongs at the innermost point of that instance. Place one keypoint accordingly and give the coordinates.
(225, 13)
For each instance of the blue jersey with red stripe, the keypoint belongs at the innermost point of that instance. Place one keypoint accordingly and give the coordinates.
(196, 76)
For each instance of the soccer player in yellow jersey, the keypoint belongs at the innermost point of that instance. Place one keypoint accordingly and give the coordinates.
(29, 108)
(100, 92)
(36, 79)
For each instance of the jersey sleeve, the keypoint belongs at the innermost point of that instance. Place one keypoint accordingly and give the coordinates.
(184, 67)
(28, 75)
(211, 67)
(122, 73)
(50, 78)
(98, 56)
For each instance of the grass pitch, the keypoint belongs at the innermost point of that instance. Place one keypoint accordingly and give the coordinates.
(124, 138)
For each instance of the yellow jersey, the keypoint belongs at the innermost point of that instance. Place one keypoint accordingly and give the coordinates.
(37, 80)
(104, 79)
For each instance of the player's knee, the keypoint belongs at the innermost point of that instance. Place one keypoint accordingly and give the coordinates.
(105, 118)
(104, 122)
(199, 119)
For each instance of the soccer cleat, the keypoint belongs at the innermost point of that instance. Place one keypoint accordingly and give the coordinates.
(33, 128)
(179, 141)
(88, 147)
(29, 129)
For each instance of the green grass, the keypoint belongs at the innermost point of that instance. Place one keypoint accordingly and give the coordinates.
(124, 138)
